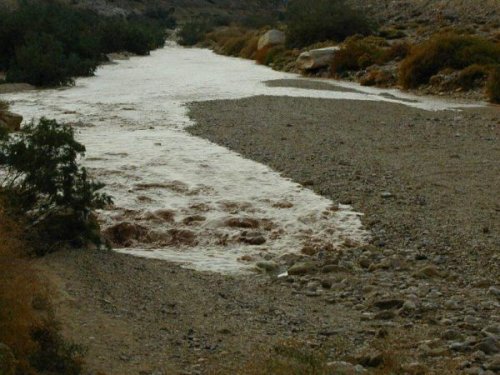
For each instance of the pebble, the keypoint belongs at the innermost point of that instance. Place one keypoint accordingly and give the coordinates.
(387, 304)
(301, 268)
(268, 266)
(427, 272)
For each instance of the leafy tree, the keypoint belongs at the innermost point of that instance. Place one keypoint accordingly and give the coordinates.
(45, 179)
(309, 22)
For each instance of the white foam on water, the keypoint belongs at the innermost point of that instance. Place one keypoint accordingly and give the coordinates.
(131, 118)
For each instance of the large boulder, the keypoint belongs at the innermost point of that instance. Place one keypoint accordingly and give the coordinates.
(316, 58)
(271, 38)
(11, 121)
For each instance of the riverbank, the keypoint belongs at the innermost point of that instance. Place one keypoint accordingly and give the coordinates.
(428, 184)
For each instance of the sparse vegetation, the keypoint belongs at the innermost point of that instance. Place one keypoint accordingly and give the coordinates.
(310, 22)
(358, 53)
(445, 51)
(288, 358)
(493, 85)
(45, 182)
(27, 325)
(48, 44)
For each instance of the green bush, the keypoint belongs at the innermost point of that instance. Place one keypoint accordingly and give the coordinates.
(309, 22)
(48, 43)
(493, 85)
(46, 182)
(41, 61)
(445, 51)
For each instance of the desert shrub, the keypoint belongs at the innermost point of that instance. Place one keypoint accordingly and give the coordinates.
(162, 15)
(194, 31)
(472, 76)
(46, 182)
(234, 41)
(390, 33)
(233, 46)
(309, 22)
(261, 55)
(377, 77)
(358, 53)
(250, 48)
(48, 43)
(55, 355)
(493, 85)
(396, 51)
(445, 51)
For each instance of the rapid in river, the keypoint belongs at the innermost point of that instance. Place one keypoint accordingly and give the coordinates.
(184, 199)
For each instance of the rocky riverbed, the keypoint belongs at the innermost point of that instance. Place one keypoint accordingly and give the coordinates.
(421, 298)
(428, 183)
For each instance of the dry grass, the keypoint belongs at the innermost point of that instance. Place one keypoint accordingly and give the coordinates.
(358, 53)
(234, 41)
(493, 85)
(449, 50)
(25, 308)
(18, 289)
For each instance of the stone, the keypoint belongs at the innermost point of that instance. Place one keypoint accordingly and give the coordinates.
(253, 239)
(7, 360)
(167, 215)
(387, 304)
(493, 364)
(329, 268)
(316, 58)
(385, 315)
(242, 223)
(427, 272)
(408, 307)
(494, 291)
(365, 263)
(271, 38)
(267, 266)
(386, 194)
(326, 283)
(123, 234)
(301, 268)
(451, 334)
(371, 360)
(344, 368)
(11, 121)
(488, 346)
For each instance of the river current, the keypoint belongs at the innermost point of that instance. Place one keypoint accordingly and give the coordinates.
(189, 200)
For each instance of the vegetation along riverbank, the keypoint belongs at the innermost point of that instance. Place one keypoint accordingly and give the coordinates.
(441, 54)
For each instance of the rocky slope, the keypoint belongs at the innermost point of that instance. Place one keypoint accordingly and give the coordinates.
(486, 12)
